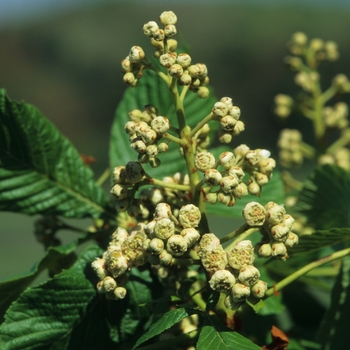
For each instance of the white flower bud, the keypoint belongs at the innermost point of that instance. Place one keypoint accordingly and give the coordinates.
(175, 71)
(266, 165)
(222, 281)
(208, 243)
(164, 228)
(278, 249)
(240, 190)
(265, 250)
(279, 232)
(172, 45)
(120, 292)
(162, 147)
(185, 79)
(138, 145)
(211, 197)
(241, 254)
(234, 112)
(116, 263)
(191, 236)
(159, 35)
(165, 258)
(220, 109)
(227, 123)
(228, 183)
(292, 240)
(149, 228)
(274, 213)
(261, 179)
(203, 92)
(227, 160)
(176, 245)
(99, 266)
(119, 235)
(227, 100)
(120, 191)
(224, 136)
(189, 216)
(184, 60)
(136, 54)
(240, 292)
(167, 59)
(204, 161)
(160, 124)
(241, 151)
(148, 135)
(156, 245)
(119, 174)
(109, 284)
(168, 17)
(226, 199)
(170, 30)
(129, 78)
(127, 66)
(254, 188)
(162, 210)
(152, 150)
(212, 177)
(259, 289)
(149, 28)
(254, 214)
(249, 275)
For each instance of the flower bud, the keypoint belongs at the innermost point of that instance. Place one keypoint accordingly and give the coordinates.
(265, 250)
(134, 172)
(120, 292)
(162, 147)
(204, 161)
(184, 60)
(238, 128)
(149, 228)
(162, 210)
(156, 245)
(240, 292)
(234, 112)
(261, 179)
(119, 174)
(203, 92)
(259, 289)
(249, 275)
(99, 266)
(228, 183)
(191, 236)
(254, 214)
(230, 304)
(109, 284)
(211, 197)
(278, 249)
(224, 136)
(120, 191)
(254, 188)
(274, 213)
(165, 258)
(116, 263)
(119, 235)
(176, 245)
(175, 71)
(227, 100)
(222, 281)
(212, 177)
(149, 28)
(227, 160)
(160, 125)
(185, 79)
(152, 150)
(227, 123)
(241, 254)
(136, 54)
(159, 35)
(279, 232)
(167, 59)
(220, 109)
(241, 151)
(168, 17)
(292, 240)
(240, 190)
(129, 78)
(164, 228)
(189, 216)
(226, 199)
(170, 30)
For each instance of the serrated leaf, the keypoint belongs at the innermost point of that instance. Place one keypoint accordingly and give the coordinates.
(153, 90)
(165, 322)
(325, 197)
(43, 316)
(57, 257)
(321, 239)
(216, 336)
(41, 172)
(273, 191)
(334, 333)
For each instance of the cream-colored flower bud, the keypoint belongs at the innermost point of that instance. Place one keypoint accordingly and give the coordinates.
(227, 160)
(241, 151)
(234, 112)
(168, 59)
(198, 71)
(189, 216)
(254, 214)
(109, 284)
(341, 81)
(129, 127)
(170, 30)
(227, 100)
(203, 92)
(316, 44)
(222, 281)
(299, 38)
(228, 183)
(185, 79)
(129, 78)
(149, 228)
(241, 254)
(99, 266)
(265, 250)
(220, 109)
(249, 275)
(148, 135)
(259, 289)
(172, 45)
(168, 17)
(261, 179)
(100, 288)
(224, 136)
(274, 213)
(236, 171)
(149, 28)
(138, 145)
(127, 65)
(240, 292)
(184, 60)
(175, 71)
(162, 210)
(292, 240)
(214, 260)
(156, 245)
(160, 124)
(164, 228)
(240, 190)
(238, 128)
(119, 175)
(165, 258)
(208, 243)
(116, 263)
(279, 249)
(191, 236)
(212, 177)
(227, 123)
(176, 245)
(159, 35)
(134, 172)
(204, 161)
(226, 199)
(136, 54)
(120, 292)
(254, 189)
(279, 232)
(119, 235)
(211, 197)
(266, 165)
(162, 147)
(152, 150)
(120, 191)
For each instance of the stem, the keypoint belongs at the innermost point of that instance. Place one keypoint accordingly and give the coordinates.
(174, 139)
(343, 141)
(241, 237)
(204, 121)
(154, 181)
(304, 270)
(197, 298)
(307, 150)
(234, 233)
(328, 94)
(183, 93)
(104, 176)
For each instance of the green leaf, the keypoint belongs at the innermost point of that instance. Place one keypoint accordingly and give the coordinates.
(153, 90)
(55, 258)
(325, 197)
(334, 332)
(216, 336)
(43, 316)
(273, 191)
(40, 170)
(321, 239)
(165, 322)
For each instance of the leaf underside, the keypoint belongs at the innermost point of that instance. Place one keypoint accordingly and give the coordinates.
(41, 172)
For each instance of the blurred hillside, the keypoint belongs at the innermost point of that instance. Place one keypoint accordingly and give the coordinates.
(68, 64)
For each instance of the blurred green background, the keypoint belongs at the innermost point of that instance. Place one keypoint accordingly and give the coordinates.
(66, 61)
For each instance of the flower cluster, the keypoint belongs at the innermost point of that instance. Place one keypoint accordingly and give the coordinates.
(232, 272)
(290, 145)
(276, 228)
(146, 129)
(228, 116)
(158, 242)
(227, 185)
(337, 116)
(284, 104)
